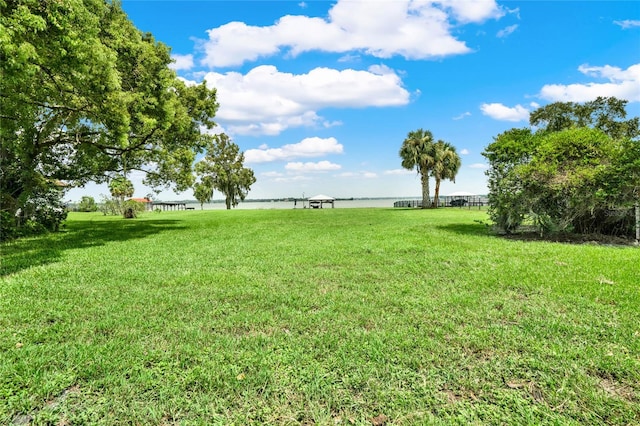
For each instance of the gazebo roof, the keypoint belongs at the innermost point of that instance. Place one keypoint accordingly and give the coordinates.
(321, 197)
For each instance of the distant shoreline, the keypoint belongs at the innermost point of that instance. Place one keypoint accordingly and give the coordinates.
(292, 199)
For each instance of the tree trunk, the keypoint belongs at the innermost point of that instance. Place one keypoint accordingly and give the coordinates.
(637, 206)
(228, 202)
(426, 203)
(436, 197)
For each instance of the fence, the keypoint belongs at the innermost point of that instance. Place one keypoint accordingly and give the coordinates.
(459, 201)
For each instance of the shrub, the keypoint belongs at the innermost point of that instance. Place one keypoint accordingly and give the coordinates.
(41, 211)
(87, 204)
(132, 208)
(567, 181)
(46, 208)
(128, 208)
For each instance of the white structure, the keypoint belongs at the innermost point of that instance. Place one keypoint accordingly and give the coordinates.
(317, 201)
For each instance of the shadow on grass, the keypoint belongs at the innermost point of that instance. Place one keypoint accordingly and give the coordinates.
(25, 253)
(466, 229)
(529, 236)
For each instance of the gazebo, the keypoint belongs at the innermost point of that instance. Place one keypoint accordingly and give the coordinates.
(317, 201)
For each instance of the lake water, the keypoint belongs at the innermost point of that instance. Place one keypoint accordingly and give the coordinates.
(270, 205)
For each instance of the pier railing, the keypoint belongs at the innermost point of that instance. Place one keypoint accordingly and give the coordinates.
(467, 201)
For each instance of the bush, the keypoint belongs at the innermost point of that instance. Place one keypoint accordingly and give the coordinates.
(46, 208)
(569, 181)
(110, 206)
(132, 208)
(128, 209)
(41, 211)
(87, 204)
(8, 228)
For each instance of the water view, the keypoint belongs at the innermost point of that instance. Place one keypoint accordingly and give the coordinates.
(338, 204)
(299, 204)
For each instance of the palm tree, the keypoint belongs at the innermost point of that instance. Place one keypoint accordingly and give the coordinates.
(446, 165)
(417, 152)
(121, 187)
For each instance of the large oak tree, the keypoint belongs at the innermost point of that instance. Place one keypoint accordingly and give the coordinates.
(223, 169)
(85, 96)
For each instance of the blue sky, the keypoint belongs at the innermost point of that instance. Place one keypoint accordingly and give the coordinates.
(320, 95)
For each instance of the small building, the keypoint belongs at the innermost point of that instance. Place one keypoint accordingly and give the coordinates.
(319, 200)
(148, 204)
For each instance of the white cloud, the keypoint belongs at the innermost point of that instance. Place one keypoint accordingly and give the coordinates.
(349, 58)
(302, 5)
(327, 124)
(501, 112)
(399, 172)
(272, 174)
(308, 147)
(614, 74)
(321, 166)
(464, 151)
(623, 84)
(414, 29)
(505, 32)
(515, 11)
(473, 10)
(478, 166)
(181, 62)
(267, 101)
(461, 116)
(627, 23)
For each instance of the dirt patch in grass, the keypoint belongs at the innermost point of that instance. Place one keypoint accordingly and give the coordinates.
(618, 390)
(454, 396)
(530, 388)
(379, 420)
(27, 419)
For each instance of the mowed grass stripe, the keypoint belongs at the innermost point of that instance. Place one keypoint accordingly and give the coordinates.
(315, 316)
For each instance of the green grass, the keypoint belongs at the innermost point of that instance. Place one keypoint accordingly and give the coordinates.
(333, 316)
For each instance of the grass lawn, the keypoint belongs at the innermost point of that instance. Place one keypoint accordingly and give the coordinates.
(333, 316)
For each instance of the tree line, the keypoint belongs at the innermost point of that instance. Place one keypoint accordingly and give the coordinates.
(576, 169)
